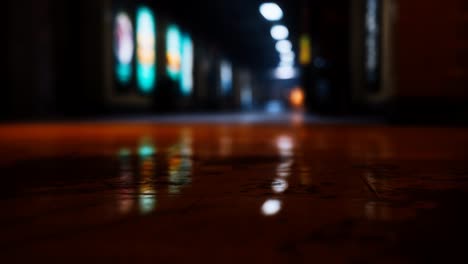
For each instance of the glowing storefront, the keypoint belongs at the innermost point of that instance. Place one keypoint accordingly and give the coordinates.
(124, 48)
(173, 52)
(146, 49)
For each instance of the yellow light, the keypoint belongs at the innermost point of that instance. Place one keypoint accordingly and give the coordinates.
(305, 56)
(297, 97)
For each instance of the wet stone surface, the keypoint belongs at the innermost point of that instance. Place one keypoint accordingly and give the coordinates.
(230, 193)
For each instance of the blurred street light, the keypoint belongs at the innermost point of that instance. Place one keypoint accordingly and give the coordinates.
(284, 46)
(279, 32)
(271, 11)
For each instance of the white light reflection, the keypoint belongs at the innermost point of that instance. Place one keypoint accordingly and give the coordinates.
(271, 11)
(271, 207)
(147, 202)
(285, 145)
(284, 168)
(180, 163)
(279, 32)
(286, 165)
(279, 185)
(147, 197)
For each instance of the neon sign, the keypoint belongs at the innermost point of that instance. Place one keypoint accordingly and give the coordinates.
(186, 82)
(146, 49)
(173, 52)
(123, 47)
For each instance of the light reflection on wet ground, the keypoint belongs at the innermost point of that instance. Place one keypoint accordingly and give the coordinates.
(228, 192)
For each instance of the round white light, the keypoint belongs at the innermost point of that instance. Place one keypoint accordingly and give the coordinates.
(284, 143)
(279, 186)
(279, 32)
(285, 73)
(271, 207)
(287, 57)
(284, 46)
(271, 11)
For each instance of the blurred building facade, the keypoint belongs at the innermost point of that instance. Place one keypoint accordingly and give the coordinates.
(62, 62)
(403, 59)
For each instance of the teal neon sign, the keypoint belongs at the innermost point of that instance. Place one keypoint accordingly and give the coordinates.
(173, 52)
(146, 49)
(186, 81)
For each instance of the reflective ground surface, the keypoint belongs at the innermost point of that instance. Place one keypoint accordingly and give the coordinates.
(221, 193)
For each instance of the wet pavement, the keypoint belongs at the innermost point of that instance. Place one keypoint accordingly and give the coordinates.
(229, 193)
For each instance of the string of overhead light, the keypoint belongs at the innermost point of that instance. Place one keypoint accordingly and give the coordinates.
(273, 12)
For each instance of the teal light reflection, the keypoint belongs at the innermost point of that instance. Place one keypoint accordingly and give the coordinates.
(123, 72)
(145, 151)
(147, 190)
(147, 203)
(146, 49)
(186, 82)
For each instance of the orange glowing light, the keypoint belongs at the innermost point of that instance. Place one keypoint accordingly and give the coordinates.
(297, 97)
(174, 62)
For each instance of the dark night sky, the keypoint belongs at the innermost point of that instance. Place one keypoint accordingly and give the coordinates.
(237, 26)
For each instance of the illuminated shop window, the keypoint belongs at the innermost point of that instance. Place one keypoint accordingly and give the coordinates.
(186, 82)
(372, 39)
(146, 49)
(226, 77)
(173, 52)
(123, 47)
